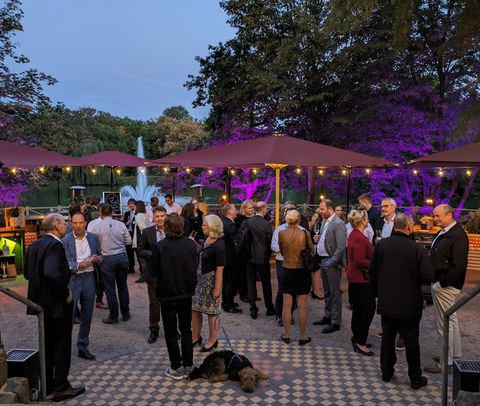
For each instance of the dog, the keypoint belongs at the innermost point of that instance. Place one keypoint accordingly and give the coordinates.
(223, 365)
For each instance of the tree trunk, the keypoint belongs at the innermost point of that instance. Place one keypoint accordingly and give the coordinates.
(466, 193)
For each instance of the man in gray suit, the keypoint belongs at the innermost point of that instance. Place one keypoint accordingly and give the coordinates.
(331, 251)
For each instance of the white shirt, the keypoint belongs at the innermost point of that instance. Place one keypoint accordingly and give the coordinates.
(321, 250)
(113, 236)
(92, 224)
(387, 227)
(174, 208)
(83, 251)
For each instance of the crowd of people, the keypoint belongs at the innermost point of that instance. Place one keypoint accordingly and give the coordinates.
(196, 264)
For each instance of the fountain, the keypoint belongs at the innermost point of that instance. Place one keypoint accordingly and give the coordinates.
(141, 191)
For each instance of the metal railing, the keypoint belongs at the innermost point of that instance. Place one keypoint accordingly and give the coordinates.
(41, 336)
(469, 295)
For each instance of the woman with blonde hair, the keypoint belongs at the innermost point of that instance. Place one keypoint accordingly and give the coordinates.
(208, 294)
(296, 280)
(360, 291)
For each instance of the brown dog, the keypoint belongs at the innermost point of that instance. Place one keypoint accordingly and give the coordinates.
(222, 365)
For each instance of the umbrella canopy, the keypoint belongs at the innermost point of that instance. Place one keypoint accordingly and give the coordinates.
(19, 156)
(461, 157)
(113, 159)
(274, 149)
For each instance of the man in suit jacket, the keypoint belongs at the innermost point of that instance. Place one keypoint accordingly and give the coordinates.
(331, 250)
(129, 220)
(384, 224)
(150, 236)
(397, 269)
(449, 259)
(231, 274)
(259, 261)
(48, 274)
(365, 201)
(83, 254)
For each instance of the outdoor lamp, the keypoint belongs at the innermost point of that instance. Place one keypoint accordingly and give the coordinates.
(255, 171)
(430, 201)
(320, 172)
(165, 169)
(210, 171)
(298, 171)
(468, 172)
(188, 170)
(322, 197)
(232, 171)
(441, 173)
(119, 171)
(13, 170)
(368, 171)
(415, 172)
(42, 169)
(94, 170)
(344, 172)
(68, 169)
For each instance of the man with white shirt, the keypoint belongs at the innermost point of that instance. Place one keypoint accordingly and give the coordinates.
(171, 206)
(114, 238)
(83, 252)
(129, 220)
(331, 251)
(449, 259)
(384, 225)
(150, 236)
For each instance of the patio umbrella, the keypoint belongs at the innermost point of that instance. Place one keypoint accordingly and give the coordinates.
(20, 156)
(461, 157)
(113, 159)
(276, 151)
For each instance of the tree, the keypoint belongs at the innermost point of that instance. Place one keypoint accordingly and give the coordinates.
(177, 112)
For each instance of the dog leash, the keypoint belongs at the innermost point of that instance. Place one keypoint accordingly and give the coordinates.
(235, 354)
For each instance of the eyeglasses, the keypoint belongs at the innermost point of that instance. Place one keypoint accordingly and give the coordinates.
(385, 205)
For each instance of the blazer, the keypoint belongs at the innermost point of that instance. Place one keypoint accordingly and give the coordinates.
(71, 252)
(144, 250)
(48, 274)
(449, 257)
(229, 231)
(398, 267)
(335, 243)
(359, 251)
(261, 232)
(126, 217)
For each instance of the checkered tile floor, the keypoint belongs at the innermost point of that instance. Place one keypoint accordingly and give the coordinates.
(311, 375)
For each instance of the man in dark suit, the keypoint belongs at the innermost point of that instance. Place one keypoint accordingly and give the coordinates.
(397, 269)
(83, 255)
(129, 220)
(259, 261)
(331, 251)
(48, 274)
(383, 226)
(449, 259)
(150, 236)
(366, 202)
(231, 274)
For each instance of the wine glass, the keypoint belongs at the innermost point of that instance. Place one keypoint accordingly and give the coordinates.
(316, 228)
(378, 235)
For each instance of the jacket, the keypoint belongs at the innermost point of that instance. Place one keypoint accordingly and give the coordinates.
(292, 241)
(229, 231)
(359, 251)
(398, 267)
(335, 243)
(144, 251)
(48, 274)
(173, 262)
(449, 257)
(213, 255)
(261, 233)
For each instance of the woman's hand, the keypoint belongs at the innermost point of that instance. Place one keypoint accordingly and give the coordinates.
(216, 293)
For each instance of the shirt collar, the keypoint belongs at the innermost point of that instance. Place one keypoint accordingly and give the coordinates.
(448, 228)
(54, 236)
(331, 218)
(78, 238)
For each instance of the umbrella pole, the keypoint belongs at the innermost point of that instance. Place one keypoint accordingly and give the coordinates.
(278, 168)
(111, 179)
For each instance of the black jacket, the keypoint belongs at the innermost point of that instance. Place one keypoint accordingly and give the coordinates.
(398, 267)
(212, 256)
(261, 232)
(48, 274)
(174, 263)
(449, 257)
(229, 231)
(144, 250)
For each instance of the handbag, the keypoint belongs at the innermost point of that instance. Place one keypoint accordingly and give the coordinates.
(365, 274)
(308, 261)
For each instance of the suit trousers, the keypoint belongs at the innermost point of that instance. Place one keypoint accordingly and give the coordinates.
(58, 346)
(231, 282)
(409, 331)
(331, 278)
(264, 271)
(153, 305)
(131, 256)
(83, 292)
(443, 299)
(178, 312)
(362, 297)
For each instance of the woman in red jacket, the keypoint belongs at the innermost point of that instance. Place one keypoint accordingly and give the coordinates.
(360, 291)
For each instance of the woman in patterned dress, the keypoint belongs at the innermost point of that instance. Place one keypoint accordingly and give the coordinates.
(208, 294)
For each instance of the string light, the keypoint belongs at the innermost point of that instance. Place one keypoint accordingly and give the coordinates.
(119, 171)
(94, 170)
(368, 171)
(68, 169)
(210, 171)
(232, 171)
(298, 171)
(440, 172)
(430, 201)
(468, 172)
(415, 172)
(255, 171)
(322, 197)
(188, 170)
(13, 170)
(165, 169)
(42, 169)
(344, 172)
(320, 172)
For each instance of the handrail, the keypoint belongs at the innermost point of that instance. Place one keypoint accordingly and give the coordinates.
(469, 295)
(41, 336)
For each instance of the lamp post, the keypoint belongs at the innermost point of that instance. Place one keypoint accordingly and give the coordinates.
(57, 174)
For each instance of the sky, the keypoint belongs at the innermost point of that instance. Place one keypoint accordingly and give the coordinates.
(127, 58)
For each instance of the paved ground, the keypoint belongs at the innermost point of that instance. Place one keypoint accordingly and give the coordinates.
(129, 371)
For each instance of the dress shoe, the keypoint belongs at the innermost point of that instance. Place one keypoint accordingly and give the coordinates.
(208, 349)
(254, 314)
(85, 354)
(331, 328)
(306, 341)
(100, 305)
(126, 316)
(400, 345)
(286, 340)
(68, 393)
(233, 310)
(356, 348)
(141, 279)
(198, 342)
(110, 320)
(420, 383)
(153, 337)
(278, 321)
(270, 312)
(235, 304)
(386, 377)
(437, 369)
(323, 321)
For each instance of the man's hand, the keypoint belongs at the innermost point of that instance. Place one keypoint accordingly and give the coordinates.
(69, 298)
